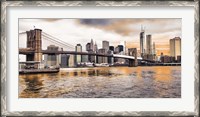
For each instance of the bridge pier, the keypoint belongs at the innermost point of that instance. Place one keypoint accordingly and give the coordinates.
(34, 42)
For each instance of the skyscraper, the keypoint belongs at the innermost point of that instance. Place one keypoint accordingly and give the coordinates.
(105, 45)
(64, 60)
(111, 48)
(142, 41)
(100, 58)
(78, 49)
(123, 43)
(154, 48)
(52, 60)
(92, 45)
(88, 48)
(148, 44)
(121, 48)
(175, 47)
(95, 48)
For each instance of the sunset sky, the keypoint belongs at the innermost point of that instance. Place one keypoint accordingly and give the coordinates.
(74, 31)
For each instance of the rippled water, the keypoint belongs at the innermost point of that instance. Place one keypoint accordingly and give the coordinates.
(104, 82)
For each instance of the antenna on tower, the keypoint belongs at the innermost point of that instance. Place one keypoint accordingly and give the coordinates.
(142, 28)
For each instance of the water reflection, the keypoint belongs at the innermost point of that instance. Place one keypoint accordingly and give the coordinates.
(33, 86)
(107, 82)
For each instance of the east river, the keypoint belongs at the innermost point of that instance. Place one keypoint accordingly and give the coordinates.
(104, 82)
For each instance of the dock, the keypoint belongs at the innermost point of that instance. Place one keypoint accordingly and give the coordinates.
(35, 71)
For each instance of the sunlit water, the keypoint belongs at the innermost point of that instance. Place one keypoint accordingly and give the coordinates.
(104, 82)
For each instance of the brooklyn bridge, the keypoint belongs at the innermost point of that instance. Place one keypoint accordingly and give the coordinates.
(34, 51)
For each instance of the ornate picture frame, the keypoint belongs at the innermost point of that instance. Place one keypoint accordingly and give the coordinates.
(4, 60)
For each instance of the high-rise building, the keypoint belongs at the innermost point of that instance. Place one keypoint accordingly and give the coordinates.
(95, 48)
(100, 58)
(64, 60)
(123, 43)
(85, 58)
(88, 48)
(148, 44)
(52, 60)
(154, 51)
(121, 48)
(154, 48)
(111, 48)
(175, 47)
(105, 45)
(142, 41)
(72, 60)
(91, 45)
(78, 49)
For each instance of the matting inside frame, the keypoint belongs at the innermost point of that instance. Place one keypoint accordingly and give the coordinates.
(186, 14)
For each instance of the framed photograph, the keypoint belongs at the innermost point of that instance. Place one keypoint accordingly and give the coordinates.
(100, 58)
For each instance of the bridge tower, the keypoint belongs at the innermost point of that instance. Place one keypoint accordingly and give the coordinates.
(133, 52)
(34, 42)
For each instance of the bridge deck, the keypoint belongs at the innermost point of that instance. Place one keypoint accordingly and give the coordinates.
(24, 51)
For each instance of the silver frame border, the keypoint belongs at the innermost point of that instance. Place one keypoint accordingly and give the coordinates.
(5, 4)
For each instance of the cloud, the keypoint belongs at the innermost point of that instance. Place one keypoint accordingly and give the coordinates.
(132, 27)
(50, 19)
(81, 31)
(95, 22)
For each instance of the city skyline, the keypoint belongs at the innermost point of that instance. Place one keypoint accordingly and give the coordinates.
(113, 30)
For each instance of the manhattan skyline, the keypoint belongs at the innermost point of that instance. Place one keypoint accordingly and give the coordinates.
(113, 30)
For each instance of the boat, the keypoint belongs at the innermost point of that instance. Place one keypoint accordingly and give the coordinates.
(89, 64)
(102, 65)
(35, 71)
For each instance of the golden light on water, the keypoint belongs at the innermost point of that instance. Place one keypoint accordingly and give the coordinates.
(104, 82)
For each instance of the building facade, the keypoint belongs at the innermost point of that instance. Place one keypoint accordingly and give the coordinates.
(175, 47)
(52, 59)
(142, 42)
(64, 61)
(148, 44)
(78, 49)
(100, 58)
(105, 45)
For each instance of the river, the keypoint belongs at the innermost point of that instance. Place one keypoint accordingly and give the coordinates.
(104, 82)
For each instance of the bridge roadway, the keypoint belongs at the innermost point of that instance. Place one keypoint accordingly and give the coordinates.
(23, 51)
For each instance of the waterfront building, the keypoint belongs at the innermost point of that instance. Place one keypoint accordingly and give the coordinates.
(110, 59)
(178, 59)
(148, 44)
(100, 58)
(165, 59)
(72, 61)
(64, 61)
(85, 58)
(52, 60)
(175, 47)
(105, 45)
(78, 49)
(142, 41)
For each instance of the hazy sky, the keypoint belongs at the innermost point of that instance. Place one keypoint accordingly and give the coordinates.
(74, 31)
